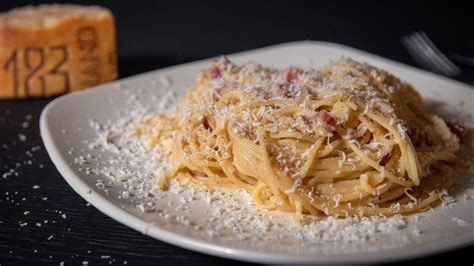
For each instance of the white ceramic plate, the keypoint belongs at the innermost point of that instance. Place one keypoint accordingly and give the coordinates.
(62, 118)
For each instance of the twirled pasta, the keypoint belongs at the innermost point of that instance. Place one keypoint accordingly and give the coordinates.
(349, 139)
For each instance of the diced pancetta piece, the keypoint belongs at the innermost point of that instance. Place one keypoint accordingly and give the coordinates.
(326, 120)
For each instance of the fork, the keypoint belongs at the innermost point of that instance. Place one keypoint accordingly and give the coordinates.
(427, 55)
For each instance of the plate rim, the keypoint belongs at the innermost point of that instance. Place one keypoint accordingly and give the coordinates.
(107, 207)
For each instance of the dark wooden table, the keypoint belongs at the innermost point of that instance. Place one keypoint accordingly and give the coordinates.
(43, 221)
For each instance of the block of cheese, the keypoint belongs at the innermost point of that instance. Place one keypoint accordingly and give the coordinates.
(47, 50)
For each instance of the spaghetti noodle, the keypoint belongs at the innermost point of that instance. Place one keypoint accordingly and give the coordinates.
(350, 139)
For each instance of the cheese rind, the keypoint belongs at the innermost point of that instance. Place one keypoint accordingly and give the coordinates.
(53, 49)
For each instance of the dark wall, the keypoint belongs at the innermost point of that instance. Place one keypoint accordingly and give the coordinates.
(158, 33)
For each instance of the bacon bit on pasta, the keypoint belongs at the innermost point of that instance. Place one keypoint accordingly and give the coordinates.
(284, 90)
(457, 128)
(321, 117)
(205, 123)
(306, 119)
(326, 120)
(292, 74)
(214, 72)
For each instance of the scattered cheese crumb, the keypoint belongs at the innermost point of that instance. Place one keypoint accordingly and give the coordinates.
(461, 222)
(22, 137)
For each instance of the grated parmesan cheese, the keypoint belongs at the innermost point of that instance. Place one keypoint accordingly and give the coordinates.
(224, 214)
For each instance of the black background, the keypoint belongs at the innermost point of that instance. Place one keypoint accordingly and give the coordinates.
(156, 34)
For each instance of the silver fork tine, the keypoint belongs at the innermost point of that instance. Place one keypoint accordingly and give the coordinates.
(442, 59)
(426, 54)
(417, 53)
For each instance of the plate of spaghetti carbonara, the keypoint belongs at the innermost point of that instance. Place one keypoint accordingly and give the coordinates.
(306, 152)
